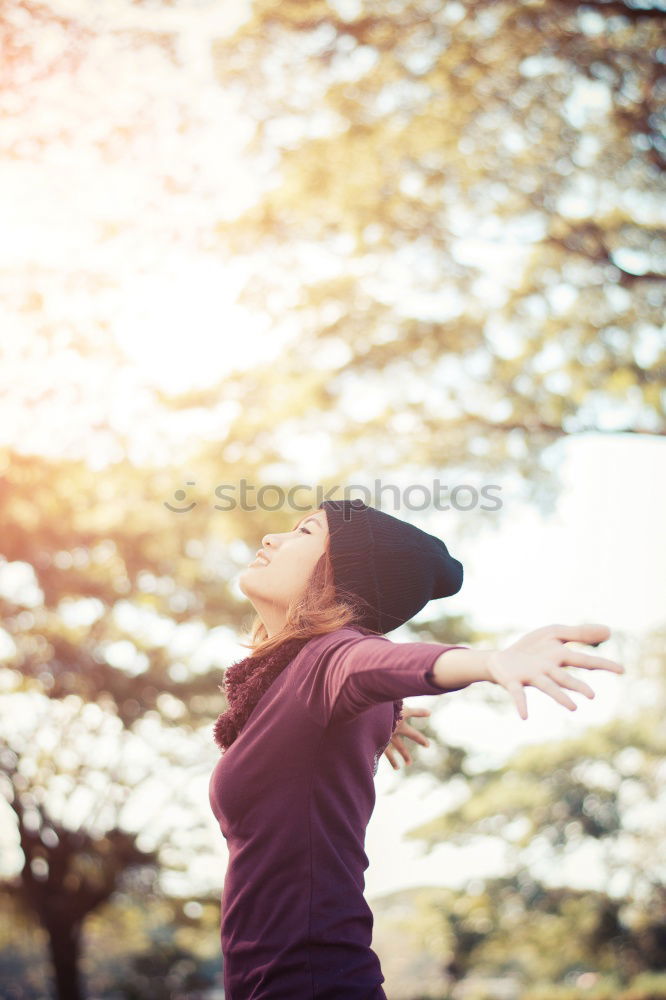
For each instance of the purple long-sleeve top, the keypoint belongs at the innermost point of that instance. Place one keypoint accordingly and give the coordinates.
(293, 796)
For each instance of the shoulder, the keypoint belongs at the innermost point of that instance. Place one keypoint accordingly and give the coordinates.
(342, 636)
(322, 648)
(319, 670)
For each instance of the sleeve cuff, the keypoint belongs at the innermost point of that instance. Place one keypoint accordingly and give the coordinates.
(429, 675)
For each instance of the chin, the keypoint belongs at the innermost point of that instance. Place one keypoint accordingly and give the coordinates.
(244, 580)
(240, 580)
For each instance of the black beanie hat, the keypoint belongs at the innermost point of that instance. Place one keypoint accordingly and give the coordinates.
(394, 567)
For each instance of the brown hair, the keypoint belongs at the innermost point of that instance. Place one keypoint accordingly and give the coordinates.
(318, 611)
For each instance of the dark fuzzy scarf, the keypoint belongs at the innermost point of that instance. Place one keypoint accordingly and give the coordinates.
(247, 680)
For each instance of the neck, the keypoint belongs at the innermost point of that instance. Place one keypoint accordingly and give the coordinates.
(273, 617)
(273, 623)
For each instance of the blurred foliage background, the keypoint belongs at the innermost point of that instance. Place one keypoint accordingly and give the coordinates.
(333, 239)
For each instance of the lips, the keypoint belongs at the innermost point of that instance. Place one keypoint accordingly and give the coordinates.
(262, 557)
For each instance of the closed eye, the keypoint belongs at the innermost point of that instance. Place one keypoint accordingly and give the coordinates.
(305, 530)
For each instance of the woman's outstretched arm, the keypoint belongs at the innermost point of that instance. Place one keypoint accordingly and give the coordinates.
(537, 659)
(350, 673)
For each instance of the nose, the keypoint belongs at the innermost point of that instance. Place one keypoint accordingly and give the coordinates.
(273, 540)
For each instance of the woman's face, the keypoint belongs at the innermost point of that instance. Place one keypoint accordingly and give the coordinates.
(280, 573)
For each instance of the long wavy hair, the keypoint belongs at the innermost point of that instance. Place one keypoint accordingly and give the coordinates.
(319, 610)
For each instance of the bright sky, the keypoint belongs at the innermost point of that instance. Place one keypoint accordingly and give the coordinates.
(89, 224)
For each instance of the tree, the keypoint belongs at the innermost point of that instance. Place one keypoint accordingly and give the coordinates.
(99, 715)
(520, 932)
(393, 131)
(66, 873)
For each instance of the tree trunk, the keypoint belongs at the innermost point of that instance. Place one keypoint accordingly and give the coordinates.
(65, 941)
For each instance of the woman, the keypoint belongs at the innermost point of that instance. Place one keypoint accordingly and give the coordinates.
(311, 710)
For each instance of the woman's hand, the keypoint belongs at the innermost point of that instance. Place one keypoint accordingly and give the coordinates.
(404, 729)
(539, 658)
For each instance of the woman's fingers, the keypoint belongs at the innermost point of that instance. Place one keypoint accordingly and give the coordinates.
(404, 728)
(415, 735)
(402, 749)
(410, 710)
(515, 689)
(549, 686)
(566, 680)
(590, 634)
(574, 658)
